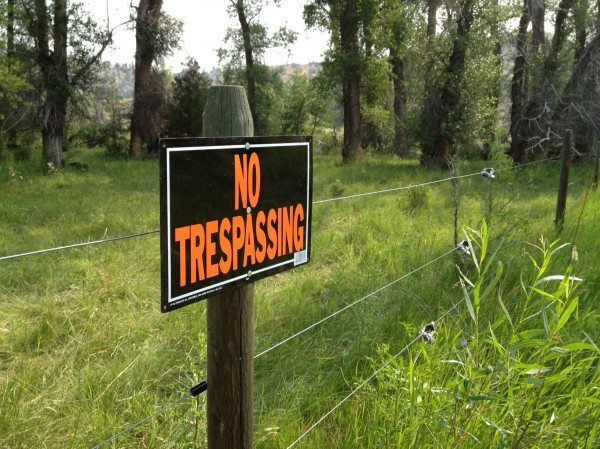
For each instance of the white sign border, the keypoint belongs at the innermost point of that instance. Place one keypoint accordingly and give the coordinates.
(172, 301)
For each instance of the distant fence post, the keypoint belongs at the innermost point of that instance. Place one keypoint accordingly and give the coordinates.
(563, 184)
(596, 166)
(230, 327)
(452, 168)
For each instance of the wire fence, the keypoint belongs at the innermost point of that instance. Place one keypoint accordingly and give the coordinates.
(203, 386)
(329, 200)
(424, 334)
(312, 326)
(194, 391)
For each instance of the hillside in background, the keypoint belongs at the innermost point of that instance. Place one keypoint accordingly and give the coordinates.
(310, 70)
(122, 75)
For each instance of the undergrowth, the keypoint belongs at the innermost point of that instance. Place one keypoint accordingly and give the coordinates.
(515, 366)
(85, 351)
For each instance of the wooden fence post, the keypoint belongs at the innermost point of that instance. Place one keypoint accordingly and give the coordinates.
(563, 184)
(596, 166)
(230, 315)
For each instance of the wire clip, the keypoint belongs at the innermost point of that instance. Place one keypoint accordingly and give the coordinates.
(463, 247)
(488, 173)
(200, 388)
(427, 333)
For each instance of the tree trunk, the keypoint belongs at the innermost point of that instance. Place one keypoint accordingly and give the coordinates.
(10, 54)
(432, 6)
(55, 81)
(398, 74)
(349, 27)
(585, 126)
(397, 60)
(428, 72)
(10, 28)
(441, 109)
(497, 90)
(580, 16)
(536, 122)
(574, 89)
(537, 10)
(558, 40)
(249, 55)
(299, 115)
(517, 95)
(148, 14)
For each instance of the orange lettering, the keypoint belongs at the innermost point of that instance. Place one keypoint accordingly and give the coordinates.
(254, 175)
(299, 235)
(249, 246)
(212, 269)
(272, 248)
(261, 237)
(241, 182)
(237, 238)
(197, 266)
(279, 233)
(287, 227)
(181, 236)
(225, 244)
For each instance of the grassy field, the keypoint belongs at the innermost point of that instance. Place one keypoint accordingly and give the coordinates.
(85, 351)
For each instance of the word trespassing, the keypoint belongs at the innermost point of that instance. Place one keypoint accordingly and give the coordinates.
(268, 235)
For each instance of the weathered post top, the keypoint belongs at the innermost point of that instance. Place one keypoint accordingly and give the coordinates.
(227, 112)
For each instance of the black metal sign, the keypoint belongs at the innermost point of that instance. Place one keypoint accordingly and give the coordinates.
(233, 210)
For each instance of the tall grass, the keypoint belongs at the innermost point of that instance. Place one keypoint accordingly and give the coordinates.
(520, 371)
(85, 351)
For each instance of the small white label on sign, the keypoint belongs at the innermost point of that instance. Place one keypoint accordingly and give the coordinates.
(300, 257)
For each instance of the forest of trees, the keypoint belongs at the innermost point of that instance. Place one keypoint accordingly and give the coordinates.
(433, 78)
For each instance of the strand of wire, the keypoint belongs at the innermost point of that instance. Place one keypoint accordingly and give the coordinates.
(437, 181)
(377, 192)
(312, 326)
(194, 391)
(396, 189)
(166, 407)
(512, 167)
(368, 379)
(77, 245)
